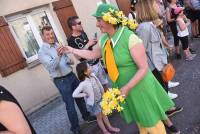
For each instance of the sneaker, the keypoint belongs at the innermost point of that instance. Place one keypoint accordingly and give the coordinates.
(90, 119)
(172, 130)
(174, 111)
(190, 57)
(172, 84)
(193, 55)
(172, 95)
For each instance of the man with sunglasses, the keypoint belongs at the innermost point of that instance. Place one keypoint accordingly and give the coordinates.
(79, 40)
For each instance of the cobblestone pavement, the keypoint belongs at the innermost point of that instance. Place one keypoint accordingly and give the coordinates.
(52, 118)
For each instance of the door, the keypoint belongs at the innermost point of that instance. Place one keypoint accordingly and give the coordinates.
(64, 9)
(124, 5)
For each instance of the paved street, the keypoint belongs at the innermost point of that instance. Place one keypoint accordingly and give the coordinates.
(52, 118)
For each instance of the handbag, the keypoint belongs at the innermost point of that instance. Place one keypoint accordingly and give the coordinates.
(168, 72)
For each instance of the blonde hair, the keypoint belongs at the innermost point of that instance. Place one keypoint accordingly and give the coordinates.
(145, 11)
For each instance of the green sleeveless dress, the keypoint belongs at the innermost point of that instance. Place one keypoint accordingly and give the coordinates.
(147, 102)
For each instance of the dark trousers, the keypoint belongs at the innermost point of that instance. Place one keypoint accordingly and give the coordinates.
(174, 31)
(66, 85)
(158, 76)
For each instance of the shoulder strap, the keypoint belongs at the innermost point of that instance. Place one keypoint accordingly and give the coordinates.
(133, 15)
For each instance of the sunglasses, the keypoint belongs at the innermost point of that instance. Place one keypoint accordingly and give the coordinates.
(79, 23)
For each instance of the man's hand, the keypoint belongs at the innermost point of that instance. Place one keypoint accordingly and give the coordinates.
(58, 49)
(65, 49)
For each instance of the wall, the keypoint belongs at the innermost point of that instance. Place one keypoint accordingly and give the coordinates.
(13, 6)
(32, 87)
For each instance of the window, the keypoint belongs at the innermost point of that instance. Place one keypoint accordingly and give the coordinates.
(26, 30)
(25, 35)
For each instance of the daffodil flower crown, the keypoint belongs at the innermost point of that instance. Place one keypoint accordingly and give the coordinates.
(117, 17)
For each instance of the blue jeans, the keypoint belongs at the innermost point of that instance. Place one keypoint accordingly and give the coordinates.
(66, 85)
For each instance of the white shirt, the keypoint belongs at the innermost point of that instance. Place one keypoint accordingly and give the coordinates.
(183, 33)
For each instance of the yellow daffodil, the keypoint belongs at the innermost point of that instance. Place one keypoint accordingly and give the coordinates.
(132, 24)
(119, 108)
(116, 91)
(119, 13)
(120, 98)
(107, 16)
(124, 22)
(112, 20)
(111, 100)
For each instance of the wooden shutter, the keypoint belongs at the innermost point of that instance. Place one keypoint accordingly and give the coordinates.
(11, 59)
(124, 5)
(64, 9)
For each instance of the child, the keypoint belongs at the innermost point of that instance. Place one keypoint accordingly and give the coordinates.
(91, 89)
(182, 23)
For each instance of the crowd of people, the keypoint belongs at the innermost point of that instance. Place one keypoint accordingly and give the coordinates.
(137, 72)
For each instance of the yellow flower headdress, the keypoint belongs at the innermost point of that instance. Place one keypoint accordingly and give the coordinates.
(112, 15)
(118, 18)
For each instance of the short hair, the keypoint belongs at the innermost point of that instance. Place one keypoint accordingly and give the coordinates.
(80, 69)
(72, 21)
(132, 7)
(46, 28)
(145, 11)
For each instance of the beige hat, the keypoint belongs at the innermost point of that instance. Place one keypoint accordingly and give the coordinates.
(157, 22)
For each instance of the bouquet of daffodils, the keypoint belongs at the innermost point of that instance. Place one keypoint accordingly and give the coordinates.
(111, 101)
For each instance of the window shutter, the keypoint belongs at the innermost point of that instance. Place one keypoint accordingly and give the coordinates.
(11, 59)
(64, 9)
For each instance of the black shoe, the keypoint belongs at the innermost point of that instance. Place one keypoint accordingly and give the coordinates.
(77, 132)
(173, 130)
(178, 56)
(90, 119)
(192, 51)
(174, 111)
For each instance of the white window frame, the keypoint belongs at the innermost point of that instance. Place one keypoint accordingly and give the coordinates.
(35, 31)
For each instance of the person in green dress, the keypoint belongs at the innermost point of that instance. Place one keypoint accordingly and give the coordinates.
(125, 59)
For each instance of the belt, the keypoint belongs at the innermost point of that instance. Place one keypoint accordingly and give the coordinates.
(61, 77)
